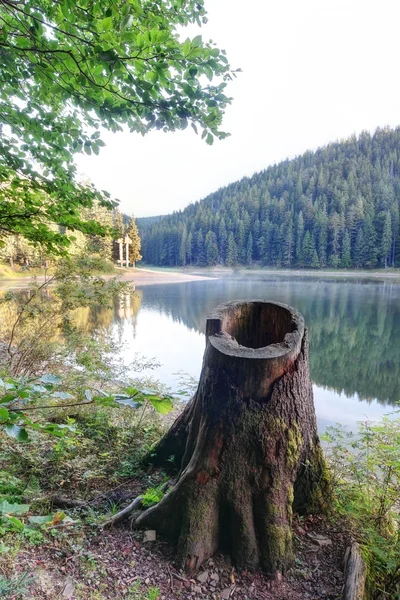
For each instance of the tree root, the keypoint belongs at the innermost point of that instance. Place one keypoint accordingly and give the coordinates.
(137, 504)
(122, 514)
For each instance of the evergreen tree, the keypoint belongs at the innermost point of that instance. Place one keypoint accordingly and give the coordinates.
(386, 242)
(308, 250)
(200, 250)
(359, 250)
(232, 253)
(183, 248)
(249, 250)
(134, 247)
(211, 248)
(346, 250)
(299, 239)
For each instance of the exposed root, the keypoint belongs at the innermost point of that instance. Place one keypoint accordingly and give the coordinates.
(122, 514)
(134, 506)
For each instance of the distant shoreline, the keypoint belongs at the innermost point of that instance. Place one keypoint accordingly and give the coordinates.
(149, 275)
(392, 275)
(140, 277)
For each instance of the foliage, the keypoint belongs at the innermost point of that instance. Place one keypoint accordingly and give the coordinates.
(366, 469)
(19, 397)
(68, 69)
(134, 248)
(16, 587)
(153, 495)
(36, 318)
(336, 207)
(151, 593)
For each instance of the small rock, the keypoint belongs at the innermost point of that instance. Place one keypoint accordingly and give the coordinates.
(69, 590)
(215, 576)
(197, 589)
(300, 530)
(225, 593)
(318, 539)
(203, 577)
(150, 535)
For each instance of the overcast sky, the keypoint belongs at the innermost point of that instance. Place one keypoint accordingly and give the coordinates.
(314, 71)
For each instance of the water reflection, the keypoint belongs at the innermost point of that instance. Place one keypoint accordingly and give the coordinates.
(354, 327)
(354, 334)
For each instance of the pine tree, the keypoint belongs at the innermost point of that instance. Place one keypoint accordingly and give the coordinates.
(346, 250)
(299, 238)
(386, 242)
(183, 248)
(134, 247)
(189, 247)
(200, 250)
(288, 249)
(232, 253)
(119, 223)
(249, 250)
(308, 250)
(211, 248)
(359, 250)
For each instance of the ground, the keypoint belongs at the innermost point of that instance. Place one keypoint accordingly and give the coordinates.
(90, 563)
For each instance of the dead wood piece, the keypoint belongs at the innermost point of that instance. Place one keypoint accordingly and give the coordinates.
(57, 501)
(355, 574)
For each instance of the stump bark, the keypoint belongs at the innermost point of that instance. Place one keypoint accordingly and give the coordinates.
(246, 444)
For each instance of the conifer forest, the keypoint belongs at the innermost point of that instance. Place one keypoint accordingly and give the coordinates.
(337, 207)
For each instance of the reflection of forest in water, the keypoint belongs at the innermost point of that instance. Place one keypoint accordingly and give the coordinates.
(354, 327)
(99, 320)
(102, 319)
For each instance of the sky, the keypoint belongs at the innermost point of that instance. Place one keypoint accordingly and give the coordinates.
(313, 71)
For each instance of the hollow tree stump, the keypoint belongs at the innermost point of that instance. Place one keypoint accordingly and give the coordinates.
(246, 444)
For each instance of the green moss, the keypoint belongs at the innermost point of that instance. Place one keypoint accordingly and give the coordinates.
(289, 505)
(295, 442)
(279, 547)
(322, 487)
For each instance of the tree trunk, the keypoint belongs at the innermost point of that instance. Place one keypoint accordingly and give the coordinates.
(246, 444)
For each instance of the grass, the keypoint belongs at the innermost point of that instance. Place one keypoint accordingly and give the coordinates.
(103, 456)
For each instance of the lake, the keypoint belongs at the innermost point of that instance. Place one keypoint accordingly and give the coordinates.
(354, 330)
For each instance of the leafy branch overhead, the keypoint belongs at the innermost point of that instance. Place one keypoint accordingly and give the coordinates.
(69, 68)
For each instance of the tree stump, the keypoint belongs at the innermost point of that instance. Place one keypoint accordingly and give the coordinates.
(246, 444)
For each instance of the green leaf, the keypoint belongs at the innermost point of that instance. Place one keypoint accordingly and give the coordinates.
(105, 24)
(48, 519)
(161, 405)
(62, 395)
(17, 432)
(3, 414)
(132, 391)
(6, 508)
(50, 379)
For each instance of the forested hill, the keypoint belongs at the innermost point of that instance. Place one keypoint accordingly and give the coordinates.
(336, 207)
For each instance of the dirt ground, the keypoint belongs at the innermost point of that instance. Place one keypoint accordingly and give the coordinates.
(117, 564)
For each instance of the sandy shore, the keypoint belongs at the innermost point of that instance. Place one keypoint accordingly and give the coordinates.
(139, 277)
(142, 277)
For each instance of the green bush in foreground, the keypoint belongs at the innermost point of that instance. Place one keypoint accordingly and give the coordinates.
(366, 472)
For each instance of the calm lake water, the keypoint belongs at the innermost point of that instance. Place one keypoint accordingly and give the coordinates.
(354, 330)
